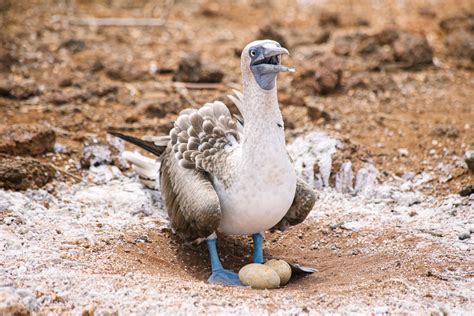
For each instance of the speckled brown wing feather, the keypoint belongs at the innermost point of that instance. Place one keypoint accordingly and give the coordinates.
(199, 137)
(190, 199)
(303, 203)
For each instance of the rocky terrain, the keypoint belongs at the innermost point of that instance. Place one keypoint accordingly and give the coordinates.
(379, 119)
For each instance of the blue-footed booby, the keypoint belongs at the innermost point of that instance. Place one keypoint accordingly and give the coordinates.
(227, 175)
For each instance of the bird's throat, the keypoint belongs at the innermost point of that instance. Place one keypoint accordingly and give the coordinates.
(263, 127)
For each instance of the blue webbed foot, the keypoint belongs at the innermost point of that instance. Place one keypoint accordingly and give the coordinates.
(225, 277)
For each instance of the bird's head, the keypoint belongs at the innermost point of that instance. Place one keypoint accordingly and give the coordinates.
(261, 61)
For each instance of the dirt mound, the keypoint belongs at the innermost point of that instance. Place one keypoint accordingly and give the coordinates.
(388, 47)
(27, 139)
(18, 173)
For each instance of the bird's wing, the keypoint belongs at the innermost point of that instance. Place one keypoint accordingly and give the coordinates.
(303, 203)
(191, 202)
(201, 138)
(190, 199)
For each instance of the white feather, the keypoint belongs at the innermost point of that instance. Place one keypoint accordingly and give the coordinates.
(147, 169)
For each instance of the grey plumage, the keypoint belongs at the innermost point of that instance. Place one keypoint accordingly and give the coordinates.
(305, 197)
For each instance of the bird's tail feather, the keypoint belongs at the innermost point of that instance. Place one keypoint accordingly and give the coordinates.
(148, 145)
(146, 168)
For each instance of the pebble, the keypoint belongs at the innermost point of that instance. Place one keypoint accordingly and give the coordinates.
(282, 268)
(259, 276)
(465, 235)
(9, 220)
(403, 152)
(192, 69)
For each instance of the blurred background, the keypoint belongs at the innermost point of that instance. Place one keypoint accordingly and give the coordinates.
(393, 79)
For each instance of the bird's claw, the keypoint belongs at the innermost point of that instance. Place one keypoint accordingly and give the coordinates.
(225, 277)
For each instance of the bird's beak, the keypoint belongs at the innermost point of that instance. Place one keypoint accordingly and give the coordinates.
(274, 51)
(270, 59)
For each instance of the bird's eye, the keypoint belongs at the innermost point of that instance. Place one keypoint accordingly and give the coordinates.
(253, 53)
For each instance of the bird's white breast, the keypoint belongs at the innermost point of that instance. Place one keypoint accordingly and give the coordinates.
(259, 196)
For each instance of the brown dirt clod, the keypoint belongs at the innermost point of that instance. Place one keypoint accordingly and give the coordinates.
(21, 173)
(27, 139)
(191, 69)
(324, 78)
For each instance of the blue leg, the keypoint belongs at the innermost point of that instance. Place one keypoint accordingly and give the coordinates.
(257, 248)
(219, 274)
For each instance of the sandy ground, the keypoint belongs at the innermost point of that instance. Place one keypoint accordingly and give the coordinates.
(395, 239)
(105, 245)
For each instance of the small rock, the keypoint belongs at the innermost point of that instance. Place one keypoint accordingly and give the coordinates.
(282, 268)
(403, 152)
(74, 45)
(100, 153)
(210, 10)
(463, 236)
(211, 74)
(9, 220)
(18, 173)
(191, 69)
(387, 36)
(27, 139)
(329, 19)
(324, 78)
(270, 32)
(154, 108)
(120, 69)
(361, 22)
(65, 80)
(90, 60)
(469, 158)
(321, 37)
(316, 112)
(413, 49)
(18, 90)
(427, 12)
(259, 276)
(446, 130)
(460, 44)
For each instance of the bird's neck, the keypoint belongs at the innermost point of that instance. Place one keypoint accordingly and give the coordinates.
(263, 125)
